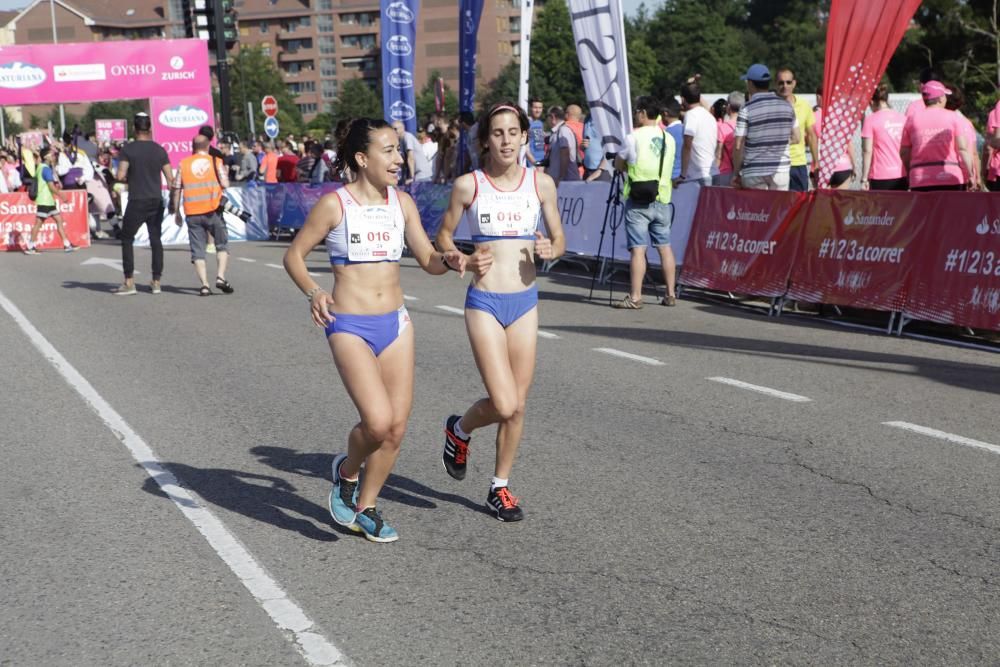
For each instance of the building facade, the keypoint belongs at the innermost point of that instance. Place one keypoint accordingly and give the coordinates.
(316, 44)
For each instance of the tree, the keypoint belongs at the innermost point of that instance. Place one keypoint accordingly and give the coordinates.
(555, 68)
(356, 100)
(505, 87)
(10, 127)
(252, 76)
(425, 98)
(126, 109)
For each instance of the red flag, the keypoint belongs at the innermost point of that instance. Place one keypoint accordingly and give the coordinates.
(860, 39)
(439, 95)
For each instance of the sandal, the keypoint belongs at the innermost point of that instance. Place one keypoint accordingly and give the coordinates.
(222, 284)
(204, 291)
(628, 304)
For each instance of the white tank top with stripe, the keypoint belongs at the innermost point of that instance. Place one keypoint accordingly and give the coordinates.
(367, 233)
(496, 214)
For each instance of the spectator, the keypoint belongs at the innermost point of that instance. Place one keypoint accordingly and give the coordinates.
(286, 163)
(927, 74)
(701, 135)
(991, 156)
(306, 163)
(595, 167)
(574, 121)
(562, 153)
(418, 166)
(671, 122)
(844, 170)
(934, 143)
(536, 134)
(798, 174)
(765, 127)
(141, 164)
(955, 102)
(881, 134)
(87, 145)
(201, 179)
(648, 152)
(320, 171)
(269, 164)
(726, 138)
(428, 143)
(247, 170)
(470, 129)
(49, 190)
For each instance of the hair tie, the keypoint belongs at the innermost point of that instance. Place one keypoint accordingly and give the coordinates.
(504, 107)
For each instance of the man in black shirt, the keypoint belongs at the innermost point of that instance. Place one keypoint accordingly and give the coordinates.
(140, 164)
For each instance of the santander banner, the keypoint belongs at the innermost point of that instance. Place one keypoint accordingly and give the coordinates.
(958, 278)
(17, 215)
(176, 121)
(744, 240)
(98, 71)
(857, 249)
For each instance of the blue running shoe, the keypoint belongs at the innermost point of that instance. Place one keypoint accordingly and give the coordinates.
(343, 496)
(375, 529)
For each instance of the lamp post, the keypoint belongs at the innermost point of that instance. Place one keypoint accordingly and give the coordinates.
(55, 40)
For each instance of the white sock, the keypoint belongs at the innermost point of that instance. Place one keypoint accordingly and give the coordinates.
(66, 244)
(457, 428)
(497, 483)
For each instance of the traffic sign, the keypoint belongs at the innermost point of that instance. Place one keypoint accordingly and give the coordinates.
(269, 105)
(271, 126)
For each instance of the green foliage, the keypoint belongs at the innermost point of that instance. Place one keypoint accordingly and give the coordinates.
(555, 68)
(10, 127)
(504, 87)
(323, 124)
(125, 109)
(356, 100)
(252, 76)
(425, 99)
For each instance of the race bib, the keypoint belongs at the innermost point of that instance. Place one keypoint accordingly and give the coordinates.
(507, 214)
(374, 234)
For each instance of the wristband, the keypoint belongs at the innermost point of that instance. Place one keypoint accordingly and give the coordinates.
(313, 292)
(446, 264)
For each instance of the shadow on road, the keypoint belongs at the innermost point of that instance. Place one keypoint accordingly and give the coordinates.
(261, 497)
(398, 488)
(108, 288)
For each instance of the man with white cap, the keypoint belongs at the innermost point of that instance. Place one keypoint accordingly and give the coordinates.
(933, 144)
(765, 127)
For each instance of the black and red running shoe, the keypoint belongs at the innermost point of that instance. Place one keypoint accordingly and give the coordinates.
(504, 504)
(456, 449)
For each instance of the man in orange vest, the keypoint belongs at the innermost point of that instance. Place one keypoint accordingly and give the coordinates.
(201, 180)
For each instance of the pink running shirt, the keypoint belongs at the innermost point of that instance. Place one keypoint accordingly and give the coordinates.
(885, 130)
(993, 169)
(930, 133)
(726, 137)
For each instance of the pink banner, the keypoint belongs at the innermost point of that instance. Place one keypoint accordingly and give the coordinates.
(176, 121)
(17, 215)
(94, 72)
(110, 129)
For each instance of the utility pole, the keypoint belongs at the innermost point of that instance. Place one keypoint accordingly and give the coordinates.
(222, 65)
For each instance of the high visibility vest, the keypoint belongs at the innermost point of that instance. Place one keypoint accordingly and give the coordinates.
(202, 190)
(650, 142)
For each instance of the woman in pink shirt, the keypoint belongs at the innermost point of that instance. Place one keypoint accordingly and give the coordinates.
(954, 103)
(843, 171)
(725, 139)
(881, 134)
(991, 156)
(934, 146)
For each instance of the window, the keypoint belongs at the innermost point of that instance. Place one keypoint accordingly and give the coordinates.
(502, 24)
(297, 67)
(295, 45)
(307, 108)
(515, 24)
(515, 48)
(324, 4)
(358, 41)
(359, 64)
(330, 89)
(324, 22)
(263, 27)
(326, 45)
(328, 67)
(298, 87)
(503, 48)
(359, 18)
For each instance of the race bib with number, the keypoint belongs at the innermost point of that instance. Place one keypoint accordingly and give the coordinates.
(507, 214)
(374, 234)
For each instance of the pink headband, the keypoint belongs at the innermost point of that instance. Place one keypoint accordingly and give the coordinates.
(505, 107)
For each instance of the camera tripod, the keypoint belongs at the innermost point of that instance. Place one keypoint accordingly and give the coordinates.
(614, 212)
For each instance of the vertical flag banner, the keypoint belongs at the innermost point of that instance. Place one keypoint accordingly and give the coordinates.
(599, 33)
(470, 11)
(439, 95)
(860, 39)
(527, 15)
(399, 44)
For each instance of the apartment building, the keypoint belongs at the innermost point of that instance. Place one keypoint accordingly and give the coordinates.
(317, 44)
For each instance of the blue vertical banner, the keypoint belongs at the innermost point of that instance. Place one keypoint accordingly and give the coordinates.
(399, 45)
(470, 11)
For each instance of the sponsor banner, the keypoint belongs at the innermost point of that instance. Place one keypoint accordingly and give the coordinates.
(599, 33)
(861, 37)
(958, 279)
(110, 129)
(92, 72)
(250, 199)
(17, 215)
(744, 240)
(857, 249)
(399, 45)
(176, 121)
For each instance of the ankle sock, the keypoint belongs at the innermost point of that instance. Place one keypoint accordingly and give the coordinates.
(345, 477)
(457, 428)
(497, 483)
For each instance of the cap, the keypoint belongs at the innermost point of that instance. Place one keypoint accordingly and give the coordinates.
(934, 89)
(757, 72)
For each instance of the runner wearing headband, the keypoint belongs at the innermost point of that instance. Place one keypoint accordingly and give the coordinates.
(501, 204)
(364, 224)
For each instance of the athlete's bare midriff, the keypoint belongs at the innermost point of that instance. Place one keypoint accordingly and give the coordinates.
(513, 267)
(367, 289)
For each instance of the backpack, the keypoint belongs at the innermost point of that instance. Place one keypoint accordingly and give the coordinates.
(31, 182)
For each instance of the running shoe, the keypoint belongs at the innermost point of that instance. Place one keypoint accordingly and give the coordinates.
(70, 248)
(375, 529)
(155, 287)
(30, 251)
(503, 503)
(125, 290)
(343, 496)
(456, 449)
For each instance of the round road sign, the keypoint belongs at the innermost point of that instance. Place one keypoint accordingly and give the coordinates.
(269, 105)
(271, 126)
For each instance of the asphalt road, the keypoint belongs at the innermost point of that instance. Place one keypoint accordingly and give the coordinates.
(671, 518)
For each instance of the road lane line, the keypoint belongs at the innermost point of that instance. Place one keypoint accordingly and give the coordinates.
(451, 309)
(628, 355)
(246, 259)
(275, 266)
(763, 390)
(944, 435)
(287, 615)
(407, 297)
(548, 334)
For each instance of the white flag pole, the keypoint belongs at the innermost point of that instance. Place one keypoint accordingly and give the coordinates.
(527, 13)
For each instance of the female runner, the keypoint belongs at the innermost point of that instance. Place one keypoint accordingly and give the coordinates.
(501, 204)
(367, 326)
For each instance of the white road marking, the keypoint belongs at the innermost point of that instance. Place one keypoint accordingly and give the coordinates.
(548, 334)
(246, 259)
(115, 264)
(275, 266)
(763, 390)
(287, 615)
(944, 435)
(407, 297)
(311, 273)
(628, 355)
(452, 310)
